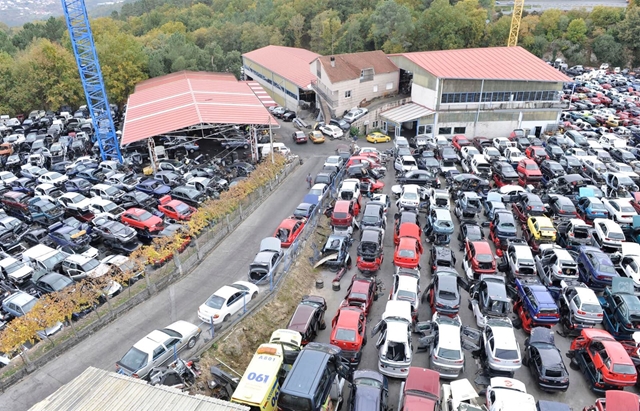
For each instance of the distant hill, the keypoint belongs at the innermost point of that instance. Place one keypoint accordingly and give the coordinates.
(17, 12)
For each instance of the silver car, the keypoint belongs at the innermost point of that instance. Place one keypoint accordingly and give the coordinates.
(501, 347)
(157, 348)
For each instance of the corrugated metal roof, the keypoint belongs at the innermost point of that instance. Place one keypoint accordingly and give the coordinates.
(257, 89)
(406, 112)
(100, 390)
(287, 62)
(493, 63)
(350, 66)
(173, 102)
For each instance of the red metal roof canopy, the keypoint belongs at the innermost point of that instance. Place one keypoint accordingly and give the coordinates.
(291, 63)
(179, 100)
(491, 63)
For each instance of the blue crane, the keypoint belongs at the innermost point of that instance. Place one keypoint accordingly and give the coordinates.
(84, 49)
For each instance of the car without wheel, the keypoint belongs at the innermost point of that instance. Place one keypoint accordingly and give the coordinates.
(158, 347)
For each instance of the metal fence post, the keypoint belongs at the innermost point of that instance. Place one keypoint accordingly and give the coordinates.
(176, 257)
(240, 207)
(198, 253)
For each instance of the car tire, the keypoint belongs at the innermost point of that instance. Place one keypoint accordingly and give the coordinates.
(375, 141)
(191, 343)
(245, 146)
(226, 318)
(574, 364)
(254, 296)
(469, 305)
(323, 325)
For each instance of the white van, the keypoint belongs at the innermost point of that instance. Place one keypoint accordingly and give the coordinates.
(265, 149)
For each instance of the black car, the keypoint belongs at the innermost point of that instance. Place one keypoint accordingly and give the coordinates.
(448, 153)
(470, 230)
(559, 141)
(324, 178)
(621, 155)
(304, 210)
(51, 283)
(441, 256)
(554, 152)
(138, 199)
(545, 361)
(188, 195)
(373, 216)
(561, 206)
(241, 169)
(92, 175)
(419, 177)
(522, 143)
(36, 236)
(551, 169)
(504, 171)
(369, 391)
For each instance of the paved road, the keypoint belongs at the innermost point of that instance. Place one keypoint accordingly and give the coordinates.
(228, 263)
(565, 4)
(578, 396)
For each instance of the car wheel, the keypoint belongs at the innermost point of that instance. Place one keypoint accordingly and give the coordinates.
(245, 146)
(226, 318)
(574, 364)
(375, 141)
(191, 343)
(364, 341)
(323, 325)
(469, 305)
(254, 296)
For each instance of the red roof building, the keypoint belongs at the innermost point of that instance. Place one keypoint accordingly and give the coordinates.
(186, 99)
(283, 72)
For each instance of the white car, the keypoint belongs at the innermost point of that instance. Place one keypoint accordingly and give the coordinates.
(410, 195)
(334, 161)
(500, 346)
(355, 114)
(507, 394)
(405, 163)
(394, 343)
(227, 301)
(460, 392)
(80, 160)
(319, 190)
(331, 131)
(439, 198)
(74, 201)
(105, 208)
(32, 170)
(406, 287)
(349, 190)
(620, 209)
(491, 153)
(17, 271)
(608, 233)
(446, 355)
(6, 178)
(53, 177)
(15, 139)
(467, 152)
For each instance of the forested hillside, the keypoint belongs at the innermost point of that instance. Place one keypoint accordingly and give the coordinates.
(153, 37)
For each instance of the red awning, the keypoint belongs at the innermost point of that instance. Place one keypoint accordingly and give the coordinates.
(180, 100)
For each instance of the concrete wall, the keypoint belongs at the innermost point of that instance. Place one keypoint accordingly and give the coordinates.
(423, 95)
(360, 91)
(494, 123)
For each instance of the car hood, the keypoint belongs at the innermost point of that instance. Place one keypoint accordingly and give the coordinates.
(367, 398)
(23, 272)
(99, 271)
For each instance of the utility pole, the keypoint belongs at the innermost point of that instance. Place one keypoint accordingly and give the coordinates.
(271, 141)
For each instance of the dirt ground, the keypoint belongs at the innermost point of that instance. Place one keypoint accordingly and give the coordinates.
(237, 348)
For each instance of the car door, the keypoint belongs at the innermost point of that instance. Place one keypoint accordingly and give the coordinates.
(234, 303)
(173, 345)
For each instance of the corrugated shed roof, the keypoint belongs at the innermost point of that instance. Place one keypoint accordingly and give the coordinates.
(100, 390)
(406, 112)
(257, 89)
(173, 102)
(493, 63)
(287, 62)
(350, 66)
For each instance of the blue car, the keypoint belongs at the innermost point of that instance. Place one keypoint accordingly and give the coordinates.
(153, 188)
(81, 167)
(67, 236)
(591, 208)
(78, 185)
(537, 306)
(493, 204)
(595, 268)
(23, 185)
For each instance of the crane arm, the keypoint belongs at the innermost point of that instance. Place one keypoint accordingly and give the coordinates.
(516, 17)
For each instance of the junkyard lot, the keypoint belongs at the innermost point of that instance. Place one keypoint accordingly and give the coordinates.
(578, 396)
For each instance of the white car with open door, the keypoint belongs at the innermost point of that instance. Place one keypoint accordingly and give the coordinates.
(457, 393)
(395, 350)
(508, 394)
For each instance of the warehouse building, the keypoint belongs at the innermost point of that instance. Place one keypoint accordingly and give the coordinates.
(475, 92)
(284, 73)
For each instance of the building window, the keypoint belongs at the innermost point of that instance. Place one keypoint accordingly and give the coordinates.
(428, 129)
(374, 124)
(390, 86)
(375, 88)
(459, 130)
(499, 96)
(347, 94)
(366, 75)
(318, 69)
(444, 130)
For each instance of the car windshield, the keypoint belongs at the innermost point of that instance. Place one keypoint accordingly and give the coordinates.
(13, 267)
(182, 208)
(591, 308)
(447, 295)
(54, 260)
(134, 359)
(60, 282)
(410, 196)
(623, 168)
(54, 175)
(111, 190)
(627, 209)
(90, 265)
(215, 301)
(597, 206)
(406, 253)
(616, 235)
(624, 369)
(532, 167)
(448, 354)
(110, 207)
(145, 216)
(343, 334)
(484, 258)
(368, 381)
(406, 295)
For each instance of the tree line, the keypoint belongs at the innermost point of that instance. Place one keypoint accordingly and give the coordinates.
(150, 38)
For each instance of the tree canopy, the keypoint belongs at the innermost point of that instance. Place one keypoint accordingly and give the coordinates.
(150, 38)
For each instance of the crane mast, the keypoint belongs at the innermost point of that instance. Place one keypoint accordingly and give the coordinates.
(84, 49)
(516, 17)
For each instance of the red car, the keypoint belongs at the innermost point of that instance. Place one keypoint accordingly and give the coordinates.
(409, 248)
(536, 153)
(460, 141)
(616, 401)
(603, 360)
(361, 294)
(142, 220)
(349, 333)
(176, 209)
(344, 211)
(635, 201)
(478, 258)
(528, 173)
(289, 229)
(421, 390)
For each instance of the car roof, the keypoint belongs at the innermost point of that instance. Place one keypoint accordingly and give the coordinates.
(226, 291)
(482, 247)
(423, 380)
(504, 337)
(20, 298)
(77, 258)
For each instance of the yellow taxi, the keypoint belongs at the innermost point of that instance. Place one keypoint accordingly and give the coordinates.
(316, 137)
(541, 229)
(378, 137)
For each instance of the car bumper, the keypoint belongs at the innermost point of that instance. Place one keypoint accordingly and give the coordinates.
(447, 371)
(208, 320)
(394, 371)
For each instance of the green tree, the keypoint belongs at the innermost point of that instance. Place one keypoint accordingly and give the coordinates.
(296, 29)
(608, 50)
(352, 39)
(498, 32)
(6, 83)
(550, 23)
(325, 32)
(391, 27)
(605, 17)
(629, 32)
(577, 31)
(444, 27)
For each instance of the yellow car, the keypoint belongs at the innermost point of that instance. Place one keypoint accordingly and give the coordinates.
(541, 229)
(378, 137)
(316, 137)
